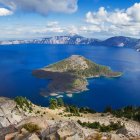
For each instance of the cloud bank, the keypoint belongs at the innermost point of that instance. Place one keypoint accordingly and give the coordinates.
(117, 22)
(101, 23)
(42, 7)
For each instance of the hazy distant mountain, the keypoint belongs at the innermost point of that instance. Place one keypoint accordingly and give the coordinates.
(117, 41)
(11, 42)
(121, 41)
(70, 39)
(138, 45)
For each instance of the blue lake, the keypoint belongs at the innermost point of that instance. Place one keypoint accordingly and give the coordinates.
(18, 61)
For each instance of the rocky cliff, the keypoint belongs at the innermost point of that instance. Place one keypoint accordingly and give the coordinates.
(42, 123)
(117, 41)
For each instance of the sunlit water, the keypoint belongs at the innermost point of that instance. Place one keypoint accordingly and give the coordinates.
(18, 61)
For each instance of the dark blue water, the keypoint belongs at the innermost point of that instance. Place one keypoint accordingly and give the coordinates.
(18, 61)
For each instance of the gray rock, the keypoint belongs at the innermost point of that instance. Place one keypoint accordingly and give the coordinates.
(122, 131)
(32, 137)
(9, 114)
(7, 105)
(4, 122)
(71, 131)
(115, 137)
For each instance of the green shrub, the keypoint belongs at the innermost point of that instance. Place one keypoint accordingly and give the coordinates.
(30, 127)
(23, 103)
(108, 109)
(53, 103)
(102, 128)
(60, 102)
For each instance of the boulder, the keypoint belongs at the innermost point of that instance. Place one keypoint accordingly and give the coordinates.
(4, 122)
(32, 137)
(70, 131)
(11, 136)
(122, 131)
(115, 137)
(41, 122)
(9, 114)
(7, 105)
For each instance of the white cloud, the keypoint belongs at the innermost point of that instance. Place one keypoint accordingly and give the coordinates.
(52, 23)
(72, 30)
(94, 17)
(119, 22)
(102, 16)
(52, 27)
(134, 12)
(5, 12)
(118, 17)
(91, 28)
(42, 7)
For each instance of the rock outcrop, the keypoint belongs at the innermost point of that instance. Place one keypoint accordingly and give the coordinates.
(9, 113)
(18, 125)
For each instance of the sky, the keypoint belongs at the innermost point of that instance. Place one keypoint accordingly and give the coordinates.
(28, 19)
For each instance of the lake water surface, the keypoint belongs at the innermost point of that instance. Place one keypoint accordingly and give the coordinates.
(18, 61)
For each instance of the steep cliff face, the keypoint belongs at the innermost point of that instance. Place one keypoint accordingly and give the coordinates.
(69, 39)
(9, 113)
(17, 124)
(117, 41)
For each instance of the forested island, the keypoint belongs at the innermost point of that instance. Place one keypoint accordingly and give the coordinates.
(70, 75)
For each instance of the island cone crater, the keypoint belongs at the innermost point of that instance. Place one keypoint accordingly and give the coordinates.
(70, 75)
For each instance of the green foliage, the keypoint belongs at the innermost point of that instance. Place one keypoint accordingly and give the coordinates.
(102, 128)
(94, 125)
(67, 108)
(55, 103)
(60, 102)
(129, 112)
(76, 111)
(111, 127)
(38, 112)
(24, 104)
(92, 70)
(73, 109)
(30, 127)
(108, 109)
(86, 110)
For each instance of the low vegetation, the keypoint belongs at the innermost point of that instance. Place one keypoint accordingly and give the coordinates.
(30, 127)
(56, 103)
(92, 70)
(24, 104)
(71, 109)
(129, 112)
(102, 128)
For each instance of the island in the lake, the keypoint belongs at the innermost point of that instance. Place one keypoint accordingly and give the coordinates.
(70, 75)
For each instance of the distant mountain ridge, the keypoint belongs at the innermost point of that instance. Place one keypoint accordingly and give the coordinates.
(117, 41)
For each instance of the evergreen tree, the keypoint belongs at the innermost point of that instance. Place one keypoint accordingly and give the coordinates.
(53, 103)
(60, 102)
